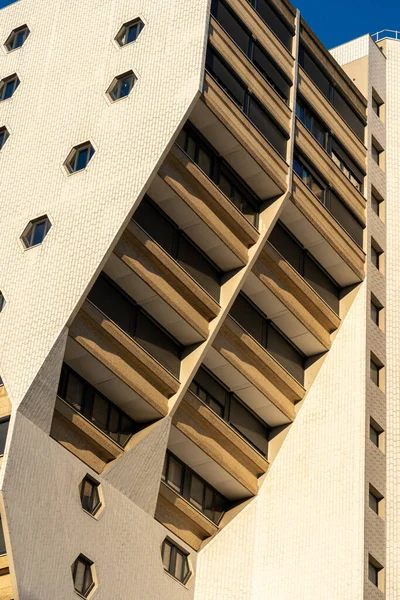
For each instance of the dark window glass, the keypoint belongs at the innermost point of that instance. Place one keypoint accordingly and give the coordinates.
(315, 72)
(285, 353)
(346, 219)
(270, 71)
(36, 231)
(90, 498)
(348, 114)
(274, 22)
(249, 318)
(198, 266)
(98, 409)
(157, 225)
(113, 303)
(376, 154)
(3, 434)
(82, 576)
(313, 125)
(3, 136)
(123, 86)
(2, 541)
(376, 204)
(158, 343)
(266, 126)
(17, 38)
(248, 425)
(233, 27)
(375, 256)
(8, 88)
(175, 561)
(226, 78)
(321, 283)
(375, 310)
(374, 435)
(232, 189)
(287, 246)
(373, 503)
(374, 372)
(80, 158)
(309, 179)
(174, 473)
(130, 32)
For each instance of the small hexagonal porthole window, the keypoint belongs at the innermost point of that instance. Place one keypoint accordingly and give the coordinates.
(79, 157)
(83, 576)
(90, 495)
(122, 86)
(4, 135)
(35, 232)
(176, 561)
(17, 38)
(129, 32)
(2, 303)
(8, 85)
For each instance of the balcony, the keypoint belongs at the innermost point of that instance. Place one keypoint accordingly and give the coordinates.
(220, 442)
(108, 357)
(236, 139)
(249, 74)
(323, 236)
(332, 174)
(264, 34)
(202, 211)
(332, 119)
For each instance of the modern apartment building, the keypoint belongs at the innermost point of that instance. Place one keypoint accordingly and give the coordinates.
(198, 354)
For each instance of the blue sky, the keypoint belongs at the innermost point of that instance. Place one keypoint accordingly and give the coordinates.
(338, 21)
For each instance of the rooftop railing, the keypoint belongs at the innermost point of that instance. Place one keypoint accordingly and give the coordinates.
(386, 33)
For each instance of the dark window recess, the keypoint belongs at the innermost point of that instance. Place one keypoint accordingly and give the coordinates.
(207, 158)
(313, 125)
(83, 576)
(248, 103)
(175, 561)
(268, 336)
(174, 241)
(3, 434)
(130, 317)
(347, 165)
(98, 409)
(323, 82)
(2, 541)
(292, 250)
(330, 200)
(193, 488)
(90, 497)
(274, 21)
(236, 29)
(225, 404)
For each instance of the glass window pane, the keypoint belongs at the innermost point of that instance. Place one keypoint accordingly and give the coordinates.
(74, 392)
(196, 492)
(285, 353)
(79, 581)
(166, 556)
(208, 503)
(175, 475)
(179, 566)
(100, 412)
(2, 541)
(82, 158)
(39, 230)
(249, 426)
(204, 162)
(3, 435)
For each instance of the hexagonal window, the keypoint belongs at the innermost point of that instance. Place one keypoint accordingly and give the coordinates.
(176, 561)
(122, 86)
(2, 303)
(8, 85)
(83, 576)
(4, 135)
(129, 32)
(79, 157)
(90, 495)
(35, 232)
(17, 38)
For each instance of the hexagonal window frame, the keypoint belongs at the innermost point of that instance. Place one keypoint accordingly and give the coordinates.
(85, 591)
(4, 135)
(18, 35)
(34, 233)
(8, 86)
(92, 501)
(176, 548)
(72, 163)
(122, 88)
(128, 33)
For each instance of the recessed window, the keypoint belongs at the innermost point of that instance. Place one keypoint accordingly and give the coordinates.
(376, 371)
(376, 434)
(175, 561)
(129, 32)
(377, 153)
(377, 204)
(36, 231)
(376, 501)
(17, 38)
(8, 87)
(90, 496)
(122, 86)
(79, 157)
(377, 104)
(82, 575)
(2, 540)
(375, 573)
(2, 301)
(4, 135)
(376, 255)
(4, 423)
(376, 312)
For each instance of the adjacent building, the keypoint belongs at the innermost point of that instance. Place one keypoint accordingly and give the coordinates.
(198, 348)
